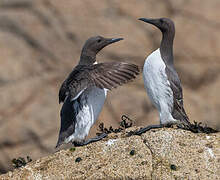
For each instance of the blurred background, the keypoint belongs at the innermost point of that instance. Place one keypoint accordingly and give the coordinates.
(40, 43)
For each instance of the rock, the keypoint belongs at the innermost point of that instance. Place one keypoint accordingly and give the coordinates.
(166, 153)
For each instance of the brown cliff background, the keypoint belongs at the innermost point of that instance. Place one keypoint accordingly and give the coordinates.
(40, 42)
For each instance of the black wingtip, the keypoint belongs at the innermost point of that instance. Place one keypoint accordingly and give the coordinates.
(58, 145)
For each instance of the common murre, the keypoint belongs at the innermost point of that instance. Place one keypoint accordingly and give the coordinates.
(161, 80)
(85, 89)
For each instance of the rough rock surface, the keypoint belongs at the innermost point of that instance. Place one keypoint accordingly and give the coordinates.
(157, 154)
(40, 42)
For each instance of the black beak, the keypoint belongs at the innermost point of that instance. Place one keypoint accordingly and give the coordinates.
(150, 21)
(114, 40)
(108, 41)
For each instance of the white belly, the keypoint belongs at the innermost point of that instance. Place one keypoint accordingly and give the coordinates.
(157, 86)
(92, 101)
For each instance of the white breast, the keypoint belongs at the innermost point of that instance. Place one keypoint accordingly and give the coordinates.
(158, 87)
(91, 101)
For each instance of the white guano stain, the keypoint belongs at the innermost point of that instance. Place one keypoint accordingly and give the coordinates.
(110, 142)
(210, 152)
(208, 137)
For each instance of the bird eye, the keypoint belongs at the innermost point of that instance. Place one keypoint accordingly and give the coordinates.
(99, 40)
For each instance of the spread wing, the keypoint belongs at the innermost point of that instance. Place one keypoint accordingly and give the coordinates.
(178, 108)
(103, 75)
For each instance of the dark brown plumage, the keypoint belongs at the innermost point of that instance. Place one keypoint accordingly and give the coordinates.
(167, 28)
(178, 107)
(81, 107)
(103, 75)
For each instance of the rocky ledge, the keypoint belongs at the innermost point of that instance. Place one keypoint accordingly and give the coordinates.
(166, 153)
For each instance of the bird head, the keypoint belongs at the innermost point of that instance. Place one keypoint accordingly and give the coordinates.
(164, 24)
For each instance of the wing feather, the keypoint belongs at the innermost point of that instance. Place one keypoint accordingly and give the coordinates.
(67, 114)
(103, 75)
(178, 108)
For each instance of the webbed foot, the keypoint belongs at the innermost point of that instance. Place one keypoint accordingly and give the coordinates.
(91, 140)
(145, 129)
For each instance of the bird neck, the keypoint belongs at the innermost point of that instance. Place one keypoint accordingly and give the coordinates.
(87, 58)
(166, 47)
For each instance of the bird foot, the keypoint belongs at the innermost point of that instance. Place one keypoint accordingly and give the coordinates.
(91, 140)
(145, 129)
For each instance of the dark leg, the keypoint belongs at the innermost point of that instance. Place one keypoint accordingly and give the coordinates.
(145, 129)
(91, 140)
